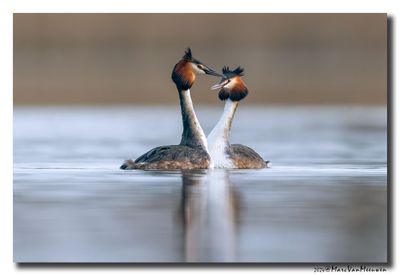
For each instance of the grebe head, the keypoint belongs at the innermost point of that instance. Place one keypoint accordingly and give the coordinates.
(184, 72)
(231, 85)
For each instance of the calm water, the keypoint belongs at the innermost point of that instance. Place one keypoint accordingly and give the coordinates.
(324, 199)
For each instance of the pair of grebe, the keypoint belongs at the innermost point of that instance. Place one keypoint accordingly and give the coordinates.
(195, 151)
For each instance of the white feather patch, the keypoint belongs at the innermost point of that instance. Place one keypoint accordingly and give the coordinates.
(218, 138)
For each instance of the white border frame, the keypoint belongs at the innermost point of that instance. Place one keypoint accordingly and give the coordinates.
(8, 7)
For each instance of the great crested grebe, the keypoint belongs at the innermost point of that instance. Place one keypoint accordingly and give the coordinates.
(192, 152)
(223, 154)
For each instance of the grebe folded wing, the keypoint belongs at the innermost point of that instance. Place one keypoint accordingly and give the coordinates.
(170, 157)
(244, 157)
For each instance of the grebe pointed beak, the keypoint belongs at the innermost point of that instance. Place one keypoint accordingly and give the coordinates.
(211, 72)
(217, 86)
(220, 85)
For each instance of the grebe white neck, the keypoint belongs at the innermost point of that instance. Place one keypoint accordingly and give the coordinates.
(218, 139)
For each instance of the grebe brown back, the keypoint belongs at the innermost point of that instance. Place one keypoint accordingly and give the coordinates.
(223, 154)
(192, 152)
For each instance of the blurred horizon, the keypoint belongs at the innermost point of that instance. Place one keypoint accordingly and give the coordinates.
(112, 59)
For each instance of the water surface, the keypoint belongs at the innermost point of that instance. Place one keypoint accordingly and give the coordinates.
(323, 200)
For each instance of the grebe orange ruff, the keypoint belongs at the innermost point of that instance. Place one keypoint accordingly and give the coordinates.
(223, 154)
(192, 152)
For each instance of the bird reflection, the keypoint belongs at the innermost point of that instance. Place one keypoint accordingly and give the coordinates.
(209, 212)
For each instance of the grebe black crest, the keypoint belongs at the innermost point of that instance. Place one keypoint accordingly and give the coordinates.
(192, 152)
(224, 155)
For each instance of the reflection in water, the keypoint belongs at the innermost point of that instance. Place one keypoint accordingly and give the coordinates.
(209, 210)
(324, 199)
